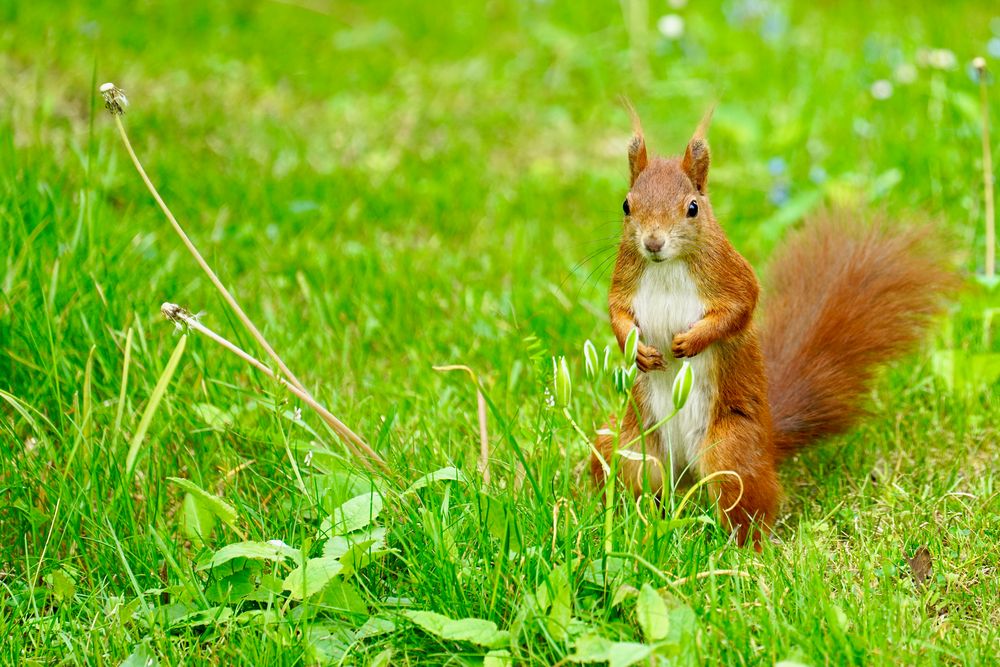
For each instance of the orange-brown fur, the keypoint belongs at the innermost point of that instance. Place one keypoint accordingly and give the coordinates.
(845, 298)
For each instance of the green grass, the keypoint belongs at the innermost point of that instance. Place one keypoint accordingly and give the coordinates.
(391, 186)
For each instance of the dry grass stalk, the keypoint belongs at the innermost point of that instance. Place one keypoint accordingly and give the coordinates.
(484, 436)
(358, 447)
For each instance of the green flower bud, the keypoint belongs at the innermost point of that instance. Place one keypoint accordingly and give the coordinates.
(618, 380)
(630, 375)
(607, 359)
(631, 346)
(590, 360)
(682, 385)
(563, 383)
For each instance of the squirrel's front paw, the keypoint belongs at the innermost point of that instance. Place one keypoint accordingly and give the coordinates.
(687, 345)
(648, 358)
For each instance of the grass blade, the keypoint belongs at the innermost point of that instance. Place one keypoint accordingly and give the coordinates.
(154, 402)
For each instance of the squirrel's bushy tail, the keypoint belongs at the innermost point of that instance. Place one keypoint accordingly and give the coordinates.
(843, 298)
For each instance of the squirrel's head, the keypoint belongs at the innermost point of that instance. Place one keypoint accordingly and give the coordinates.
(667, 203)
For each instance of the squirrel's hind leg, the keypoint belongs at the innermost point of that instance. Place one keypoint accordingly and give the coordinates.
(748, 503)
(638, 474)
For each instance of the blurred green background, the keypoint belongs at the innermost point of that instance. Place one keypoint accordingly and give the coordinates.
(391, 185)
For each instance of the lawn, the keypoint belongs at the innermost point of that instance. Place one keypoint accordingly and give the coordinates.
(392, 186)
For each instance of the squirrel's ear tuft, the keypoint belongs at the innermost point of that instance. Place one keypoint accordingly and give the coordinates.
(637, 157)
(696, 157)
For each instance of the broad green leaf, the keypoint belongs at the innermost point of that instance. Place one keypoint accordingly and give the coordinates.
(141, 656)
(310, 577)
(325, 643)
(683, 627)
(499, 520)
(214, 504)
(202, 617)
(383, 659)
(214, 417)
(275, 551)
(622, 593)
(62, 585)
(231, 588)
(342, 596)
(338, 545)
(594, 648)
(376, 625)
(561, 602)
(359, 555)
(197, 522)
(449, 473)
(474, 630)
(651, 611)
(356, 513)
(498, 658)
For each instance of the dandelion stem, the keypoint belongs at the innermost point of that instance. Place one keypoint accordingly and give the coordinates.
(358, 447)
(115, 102)
(254, 331)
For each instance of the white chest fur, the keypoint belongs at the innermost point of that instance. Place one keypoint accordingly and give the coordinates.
(667, 303)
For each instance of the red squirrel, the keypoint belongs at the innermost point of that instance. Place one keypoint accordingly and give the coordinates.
(845, 298)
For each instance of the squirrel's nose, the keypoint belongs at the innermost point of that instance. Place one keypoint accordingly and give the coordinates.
(654, 244)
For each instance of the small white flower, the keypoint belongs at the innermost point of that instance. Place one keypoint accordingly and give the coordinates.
(881, 89)
(905, 73)
(297, 416)
(671, 26)
(309, 458)
(277, 543)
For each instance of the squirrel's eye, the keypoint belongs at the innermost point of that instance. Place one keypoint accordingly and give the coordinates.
(692, 209)
(625, 208)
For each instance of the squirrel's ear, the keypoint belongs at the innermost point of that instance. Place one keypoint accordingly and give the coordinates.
(696, 161)
(637, 158)
(696, 157)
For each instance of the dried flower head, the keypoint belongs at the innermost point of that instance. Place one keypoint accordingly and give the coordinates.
(114, 98)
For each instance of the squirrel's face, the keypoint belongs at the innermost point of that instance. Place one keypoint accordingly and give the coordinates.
(667, 203)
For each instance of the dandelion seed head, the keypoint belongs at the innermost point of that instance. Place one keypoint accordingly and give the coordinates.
(114, 98)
